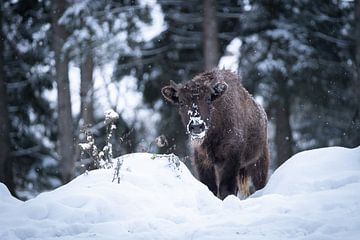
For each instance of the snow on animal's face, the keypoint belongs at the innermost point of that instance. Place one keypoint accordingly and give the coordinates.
(195, 103)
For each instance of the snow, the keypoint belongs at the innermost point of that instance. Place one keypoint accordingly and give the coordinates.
(111, 115)
(271, 64)
(230, 60)
(123, 94)
(195, 119)
(158, 25)
(125, 97)
(314, 195)
(85, 146)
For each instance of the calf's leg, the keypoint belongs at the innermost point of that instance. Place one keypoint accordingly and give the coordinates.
(254, 177)
(259, 171)
(206, 175)
(205, 170)
(226, 178)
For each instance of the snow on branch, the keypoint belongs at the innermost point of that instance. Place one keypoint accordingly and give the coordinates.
(102, 159)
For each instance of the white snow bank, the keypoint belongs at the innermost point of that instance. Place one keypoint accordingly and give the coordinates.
(315, 171)
(314, 195)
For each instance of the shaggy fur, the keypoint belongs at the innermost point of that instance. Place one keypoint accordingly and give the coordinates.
(233, 156)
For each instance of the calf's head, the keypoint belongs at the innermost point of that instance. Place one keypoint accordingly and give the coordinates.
(195, 103)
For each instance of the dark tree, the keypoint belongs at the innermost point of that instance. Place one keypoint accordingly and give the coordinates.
(210, 35)
(6, 170)
(97, 38)
(297, 56)
(65, 120)
(27, 69)
(357, 54)
(87, 88)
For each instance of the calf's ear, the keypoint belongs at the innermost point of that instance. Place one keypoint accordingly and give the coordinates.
(218, 90)
(170, 94)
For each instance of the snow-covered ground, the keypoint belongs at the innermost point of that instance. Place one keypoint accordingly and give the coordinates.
(314, 195)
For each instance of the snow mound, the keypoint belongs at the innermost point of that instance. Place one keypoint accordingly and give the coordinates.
(316, 170)
(314, 195)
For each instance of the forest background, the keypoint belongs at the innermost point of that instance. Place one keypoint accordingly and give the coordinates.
(64, 63)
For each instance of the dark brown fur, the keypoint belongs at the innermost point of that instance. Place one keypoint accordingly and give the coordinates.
(233, 156)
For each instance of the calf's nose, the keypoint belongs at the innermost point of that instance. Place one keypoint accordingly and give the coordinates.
(196, 128)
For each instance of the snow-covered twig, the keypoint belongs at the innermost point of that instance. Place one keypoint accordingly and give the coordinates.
(104, 158)
(116, 175)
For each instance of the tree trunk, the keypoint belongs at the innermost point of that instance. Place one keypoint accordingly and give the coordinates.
(357, 53)
(86, 89)
(283, 132)
(6, 171)
(65, 121)
(211, 43)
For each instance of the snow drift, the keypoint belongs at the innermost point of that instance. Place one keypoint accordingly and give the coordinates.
(314, 195)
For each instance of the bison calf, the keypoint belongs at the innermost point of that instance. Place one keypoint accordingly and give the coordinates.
(228, 132)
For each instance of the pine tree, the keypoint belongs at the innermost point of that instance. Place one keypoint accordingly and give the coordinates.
(101, 33)
(300, 68)
(357, 54)
(6, 169)
(210, 35)
(65, 120)
(28, 78)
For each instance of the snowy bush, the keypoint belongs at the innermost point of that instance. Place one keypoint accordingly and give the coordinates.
(102, 159)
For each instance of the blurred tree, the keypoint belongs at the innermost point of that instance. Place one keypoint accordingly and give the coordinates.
(6, 170)
(357, 54)
(65, 120)
(27, 70)
(210, 35)
(301, 57)
(87, 88)
(301, 70)
(101, 33)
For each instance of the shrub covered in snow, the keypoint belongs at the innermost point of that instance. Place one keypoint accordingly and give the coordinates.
(103, 158)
